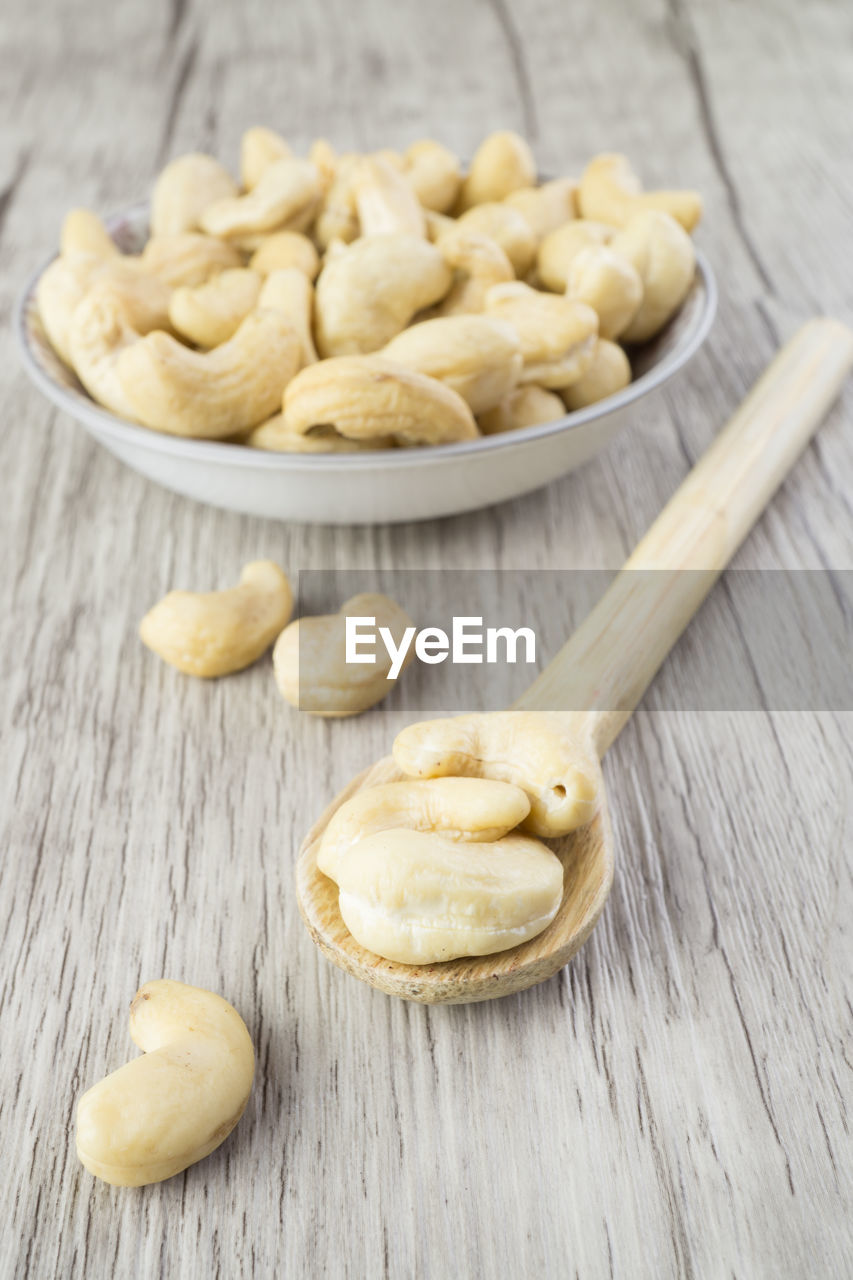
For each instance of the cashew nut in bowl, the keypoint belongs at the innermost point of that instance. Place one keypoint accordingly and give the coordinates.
(610, 284)
(187, 258)
(363, 397)
(276, 436)
(281, 249)
(526, 406)
(323, 155)
(310, 664)
(535, 750)
(214, 633)
(559, 249)
(434, 174)
(608, 373)
(83, 232)
(508, 228)
(290, 293)
(662, 253)
(557, 334)
(184, 189)
(259, 148)
(61, 287)
(170, 1108)
(479, 262)
(211, 394)
(385, 200)
(337, 218)
(287, 193)
(211, 313)
(502, 163)
(610, 191)
(477, 356)
(547, 207)
(369, 291)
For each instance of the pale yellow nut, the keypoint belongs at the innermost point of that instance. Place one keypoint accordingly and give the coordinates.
(384, 199)
(437, 224)
(290, 293)
(276, 436)
(184, 189)
(84, 232)
(363, 397)
(337, 216)
(609, 372)
(502, 163)
(559, 249)
(474, 809)
(534, 750)
(557, 334)
(211, 394)
(211, 313)
(324, 157)
(476, 356)
(283, 249)
(309, 659)
(420, 898)
(65, 283)
(662, 253)
(214, 633)
(434, 173)
(528, 406)
(610, 191)
(610, 284)
(547, 207)
(369, 292)
(259, 148)
(509, 228)
(478, 262)
(162, 1112)
(188, 258)
(287, 192)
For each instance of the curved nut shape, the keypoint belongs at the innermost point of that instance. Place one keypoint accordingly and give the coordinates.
(547, 207)
(559, 249)
(369, 292)
(337, 218)
(212, 394)
(384, 200)
(472, 809)
(476, 356)
(364, 397)
(610, 191)
(662, 253)
(276, 436)
(608, 283)
(310, 664)
(259, 148)
(534, 750)
(61, 287)
(419, 898)
(557, 334)
(479, 263)
(284, 249)
(291, 294)
(434, 174)
(502, 163)
(162, 1112)
(184, 190)
(83, 232)
(211, 313)
(287, 192)
(524, 407)
(187, 259)
(216, 632)
(323, 155)
(508, 228)
(608, 373)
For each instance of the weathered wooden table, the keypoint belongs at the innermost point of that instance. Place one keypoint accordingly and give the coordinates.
(676, 1102)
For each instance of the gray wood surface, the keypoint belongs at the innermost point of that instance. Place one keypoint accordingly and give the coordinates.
(676, 1102)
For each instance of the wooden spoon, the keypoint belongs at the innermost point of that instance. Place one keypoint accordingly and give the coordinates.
(607, 665)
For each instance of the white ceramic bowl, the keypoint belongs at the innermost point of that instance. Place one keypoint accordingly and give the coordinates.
(368, 488)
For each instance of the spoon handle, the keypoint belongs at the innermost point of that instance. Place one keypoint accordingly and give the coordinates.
(606, 666)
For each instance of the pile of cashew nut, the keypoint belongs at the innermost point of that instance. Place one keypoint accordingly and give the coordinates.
(349, 302)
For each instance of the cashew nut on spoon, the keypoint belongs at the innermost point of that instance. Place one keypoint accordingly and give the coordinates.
(601, 674)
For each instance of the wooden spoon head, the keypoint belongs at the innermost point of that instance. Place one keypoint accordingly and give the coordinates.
(587, 858)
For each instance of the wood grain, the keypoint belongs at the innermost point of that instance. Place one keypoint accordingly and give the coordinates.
(676, 1101)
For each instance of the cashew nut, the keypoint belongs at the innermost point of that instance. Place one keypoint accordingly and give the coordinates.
(434, 174)
(290, 293)
(211, 313)
(276, 436)
(662, 253)
(477, 356)
(508, 228)
(83, 232)
(310, 664)
(63, 285)
(188, 258)
(608, 283)
(559, 249)
(323, 155)
(259, 148)
(479, 262)
(286, 194)
(384, 200)
(370, 291)
(608, 373)
(216, 632)
(547, 207)
(284, 249)
(535, 750)
(610, 191)
(337, 218)
(184, 190)
(524, 407)
(557, 334)
(170, 1108)
(502, 163)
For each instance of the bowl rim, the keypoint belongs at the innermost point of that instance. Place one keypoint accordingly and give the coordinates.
(130, 434)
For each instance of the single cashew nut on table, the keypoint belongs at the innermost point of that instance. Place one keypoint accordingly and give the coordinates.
(476, 356)
(310, 664)
(282, 249)
(502, 163)
(534, 750)
(259, 148)
(508, 228)
(526, 406)
(609, 372)
(434, 173)
(558, 335)
(610, 191)
(547, 207)
(560, 247)
(286, 196)
(478, 262)
(363, 397)
(277, 436)
(385, 200)
(214, 633)
(211, 313)
(184, 189)
(610, 284)
(187, 258)
(662, 253)
(170, 1108)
